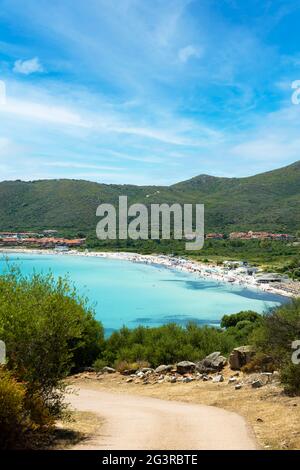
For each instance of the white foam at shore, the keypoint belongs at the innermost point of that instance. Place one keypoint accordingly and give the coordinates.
(193, 267)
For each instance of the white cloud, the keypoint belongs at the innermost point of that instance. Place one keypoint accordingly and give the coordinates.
(27, 67)
(185, 53)
(80, 166)
(43, 112)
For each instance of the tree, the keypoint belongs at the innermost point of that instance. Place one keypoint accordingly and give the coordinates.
(43, 321)
(279, 329)
(232, 320)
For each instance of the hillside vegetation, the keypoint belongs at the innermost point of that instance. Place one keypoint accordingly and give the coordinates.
(268, 201)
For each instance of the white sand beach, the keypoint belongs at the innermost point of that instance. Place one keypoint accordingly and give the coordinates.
(203, 270)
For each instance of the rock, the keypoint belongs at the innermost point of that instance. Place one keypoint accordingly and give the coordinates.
(140, 375)
(187, 380)
(163, 368)
(267, 375)
(129, 380)
(259, 420)
(146, 370)
(86, 369)
(232, 380)
(108, 370)
(149, 372)
(128, 371)
(238, 386)
(184, 367)
(256, 384)
(173, 380)
(241, 356)
(214, 362)
(218, 378)
(205, 378)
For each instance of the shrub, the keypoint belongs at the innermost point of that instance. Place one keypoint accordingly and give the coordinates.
(290, 377)
(91, 343)
(99, 364)
(13, 415)
(43, 322)
(169, 344)
(232, 320)
(121, 366)
(278, 330)
(260, 363)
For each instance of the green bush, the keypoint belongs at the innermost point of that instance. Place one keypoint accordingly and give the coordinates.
(290, 377)
(278, 330)
(43, 323)
(171, 343)
(13, 415)
(91, 343)
(232, 320)
(98, 364)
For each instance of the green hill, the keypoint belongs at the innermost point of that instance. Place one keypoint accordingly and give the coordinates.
(268, 201)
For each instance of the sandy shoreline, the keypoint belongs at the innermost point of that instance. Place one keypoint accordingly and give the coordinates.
(217, 273)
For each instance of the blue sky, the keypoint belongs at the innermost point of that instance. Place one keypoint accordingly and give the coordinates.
(147, 91)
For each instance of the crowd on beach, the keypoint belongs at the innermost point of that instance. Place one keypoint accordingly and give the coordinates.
(231, 272)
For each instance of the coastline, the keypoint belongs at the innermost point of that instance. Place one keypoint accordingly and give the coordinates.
(207, 271)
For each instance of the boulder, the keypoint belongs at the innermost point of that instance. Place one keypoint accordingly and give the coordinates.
(184, 367)
(218, 378)
(214, 362)
(232, 380)
(241, 356)
(140, 374)
(257, 384)
(163, 369)
(146, 370)
(238, 386)
(108, 370)
(187, 380)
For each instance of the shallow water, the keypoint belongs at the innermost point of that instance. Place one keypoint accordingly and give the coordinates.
(127, 293)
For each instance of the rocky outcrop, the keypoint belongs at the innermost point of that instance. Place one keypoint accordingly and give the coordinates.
(214, 362)
(241, 356)
(184, 367)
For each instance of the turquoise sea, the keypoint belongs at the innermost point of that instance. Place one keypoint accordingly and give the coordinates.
(126, 293)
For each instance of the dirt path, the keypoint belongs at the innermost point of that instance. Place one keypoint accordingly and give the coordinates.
(136, 422)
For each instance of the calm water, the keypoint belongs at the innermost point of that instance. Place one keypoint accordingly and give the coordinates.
(131, 294)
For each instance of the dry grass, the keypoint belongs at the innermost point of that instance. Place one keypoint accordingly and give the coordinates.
(81, 427)
(273, 416)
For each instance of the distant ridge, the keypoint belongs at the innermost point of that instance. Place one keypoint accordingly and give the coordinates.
(267, 201)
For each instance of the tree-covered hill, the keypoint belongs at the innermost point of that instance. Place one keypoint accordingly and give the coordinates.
(267, 201)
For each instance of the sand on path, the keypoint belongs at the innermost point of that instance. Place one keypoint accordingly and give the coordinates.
(142, 423)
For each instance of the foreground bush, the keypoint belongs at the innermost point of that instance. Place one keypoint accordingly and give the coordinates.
(44, 324)
(278, 330)
(13, 415)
